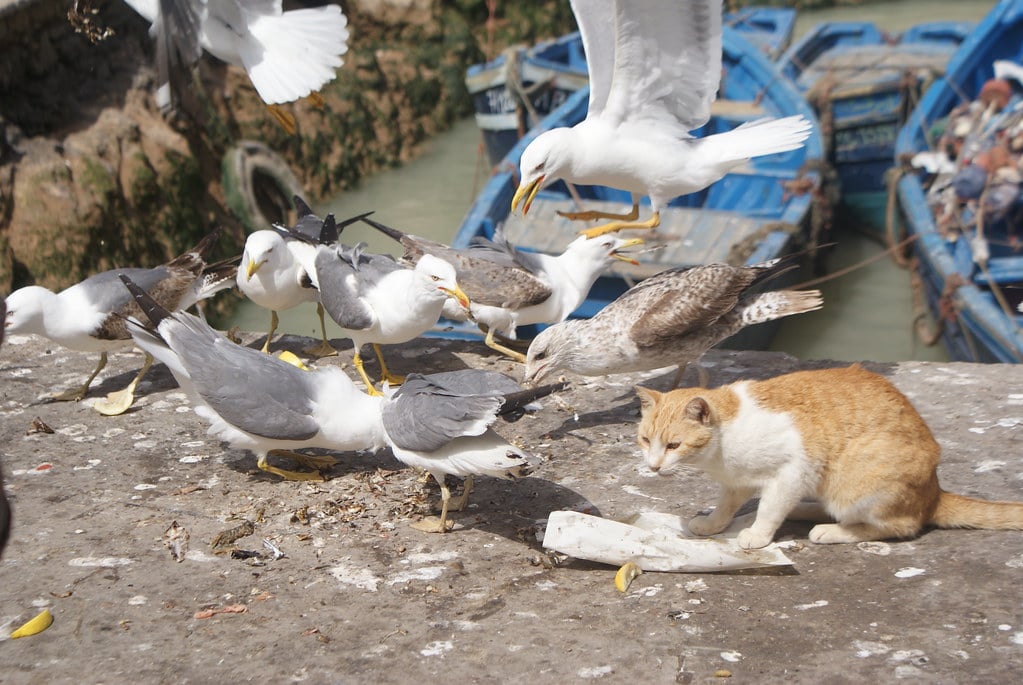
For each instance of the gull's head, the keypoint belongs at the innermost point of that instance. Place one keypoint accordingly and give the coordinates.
(602, 250)
(438, 276)
(25, 310)
(549, 351)
(261, 247)
(541, 164)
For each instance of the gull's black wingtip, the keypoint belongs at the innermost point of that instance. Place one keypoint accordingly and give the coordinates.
(392, 233)
(517, 400)
(150, 307)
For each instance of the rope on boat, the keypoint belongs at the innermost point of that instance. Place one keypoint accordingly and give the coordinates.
(854, 267)
(892, 236)
(927, 328)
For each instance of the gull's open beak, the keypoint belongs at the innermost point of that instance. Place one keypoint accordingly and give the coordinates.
(457, 293)
(252, 268)
(529, 191)
(627, 258)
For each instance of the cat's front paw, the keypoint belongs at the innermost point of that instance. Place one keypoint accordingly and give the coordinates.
(751, 539)
(706, 525)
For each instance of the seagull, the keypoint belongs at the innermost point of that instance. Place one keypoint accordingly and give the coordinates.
(508, 287)
(655, 67)
(90, 316)
(287, 55)
(379, 301)
(673, 317)
(256, 401)
(441, 423)
(277, 269)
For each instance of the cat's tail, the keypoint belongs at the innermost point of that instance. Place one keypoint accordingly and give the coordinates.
(957, 511)
(778, 303)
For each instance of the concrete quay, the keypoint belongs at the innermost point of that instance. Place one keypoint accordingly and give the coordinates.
(360, 597)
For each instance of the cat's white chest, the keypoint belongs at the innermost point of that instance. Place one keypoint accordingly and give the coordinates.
(757, 443)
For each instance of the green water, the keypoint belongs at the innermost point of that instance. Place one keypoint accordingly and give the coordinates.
(867, 314)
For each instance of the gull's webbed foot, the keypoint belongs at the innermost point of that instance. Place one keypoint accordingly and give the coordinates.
(323, 349)
(288, 475)
(653, 222)
(503, 349)
(285, 118)
(70, 395)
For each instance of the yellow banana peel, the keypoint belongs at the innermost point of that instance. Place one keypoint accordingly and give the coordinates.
(626, 574)
(35, 626)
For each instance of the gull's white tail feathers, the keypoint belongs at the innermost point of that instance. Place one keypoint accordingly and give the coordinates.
(291, 55)
(758, 138)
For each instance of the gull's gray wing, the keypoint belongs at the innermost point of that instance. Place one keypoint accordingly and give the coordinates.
(475, 382)
(105, 290)
(253, 391)
(344, 274)
(423, 415)
(177, 32)
(496, 273)
(677, 302)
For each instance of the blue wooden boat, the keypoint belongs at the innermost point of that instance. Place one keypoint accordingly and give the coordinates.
(744, 218)
(521, 86)
(973, 300)
(863, 83)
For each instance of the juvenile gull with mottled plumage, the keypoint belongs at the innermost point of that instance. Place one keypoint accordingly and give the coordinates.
(90, 316)
(670, 318)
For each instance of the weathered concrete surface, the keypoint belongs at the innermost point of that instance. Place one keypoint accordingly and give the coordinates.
(362, 597)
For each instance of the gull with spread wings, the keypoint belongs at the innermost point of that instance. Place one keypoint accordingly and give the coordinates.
(655, 68)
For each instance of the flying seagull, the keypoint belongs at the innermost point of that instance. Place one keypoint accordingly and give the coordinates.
(441, 423)
(90, 316)
(379, 301)
(673, 317)
(654, 67)
(256, 401)
(287, 55)
(277, 270)
(508, 287)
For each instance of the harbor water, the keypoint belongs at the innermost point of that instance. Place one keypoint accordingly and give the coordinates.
(867, 314)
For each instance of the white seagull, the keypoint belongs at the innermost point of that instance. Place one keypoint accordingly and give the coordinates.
(654, 67)
(255, 401)
(90, 315)
(278, 271)
(441, 423)
(508, 287)
(381, 302)
(287, 55)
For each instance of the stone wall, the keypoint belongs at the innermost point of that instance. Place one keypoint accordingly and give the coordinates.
(93, 177)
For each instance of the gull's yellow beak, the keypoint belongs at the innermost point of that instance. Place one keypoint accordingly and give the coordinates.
(252, 268)
(457, 293)
(628, 259)
(529, 191)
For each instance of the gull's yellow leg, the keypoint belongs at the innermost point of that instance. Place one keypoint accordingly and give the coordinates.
(432, 524)
(385, 374)
(494, 345)
(75, 394)
(370, 387)
(653, 222)
(593, 215)
(287, 475)
(462, 501)
(119, 401)
(273, 327)
(285, 118)
(324, 349)
(316, 100)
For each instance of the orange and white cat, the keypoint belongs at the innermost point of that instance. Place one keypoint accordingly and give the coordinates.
(845, 437)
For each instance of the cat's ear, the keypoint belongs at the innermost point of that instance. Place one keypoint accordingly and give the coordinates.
(647, 398)
(698, 410)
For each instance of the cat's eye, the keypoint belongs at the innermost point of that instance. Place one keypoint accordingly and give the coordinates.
(672, 446)
(643, 440)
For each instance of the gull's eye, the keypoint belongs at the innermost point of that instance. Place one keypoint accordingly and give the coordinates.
(672, 446)
(609, 244)
(542, 354)
(435, 278)
(538, 167)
